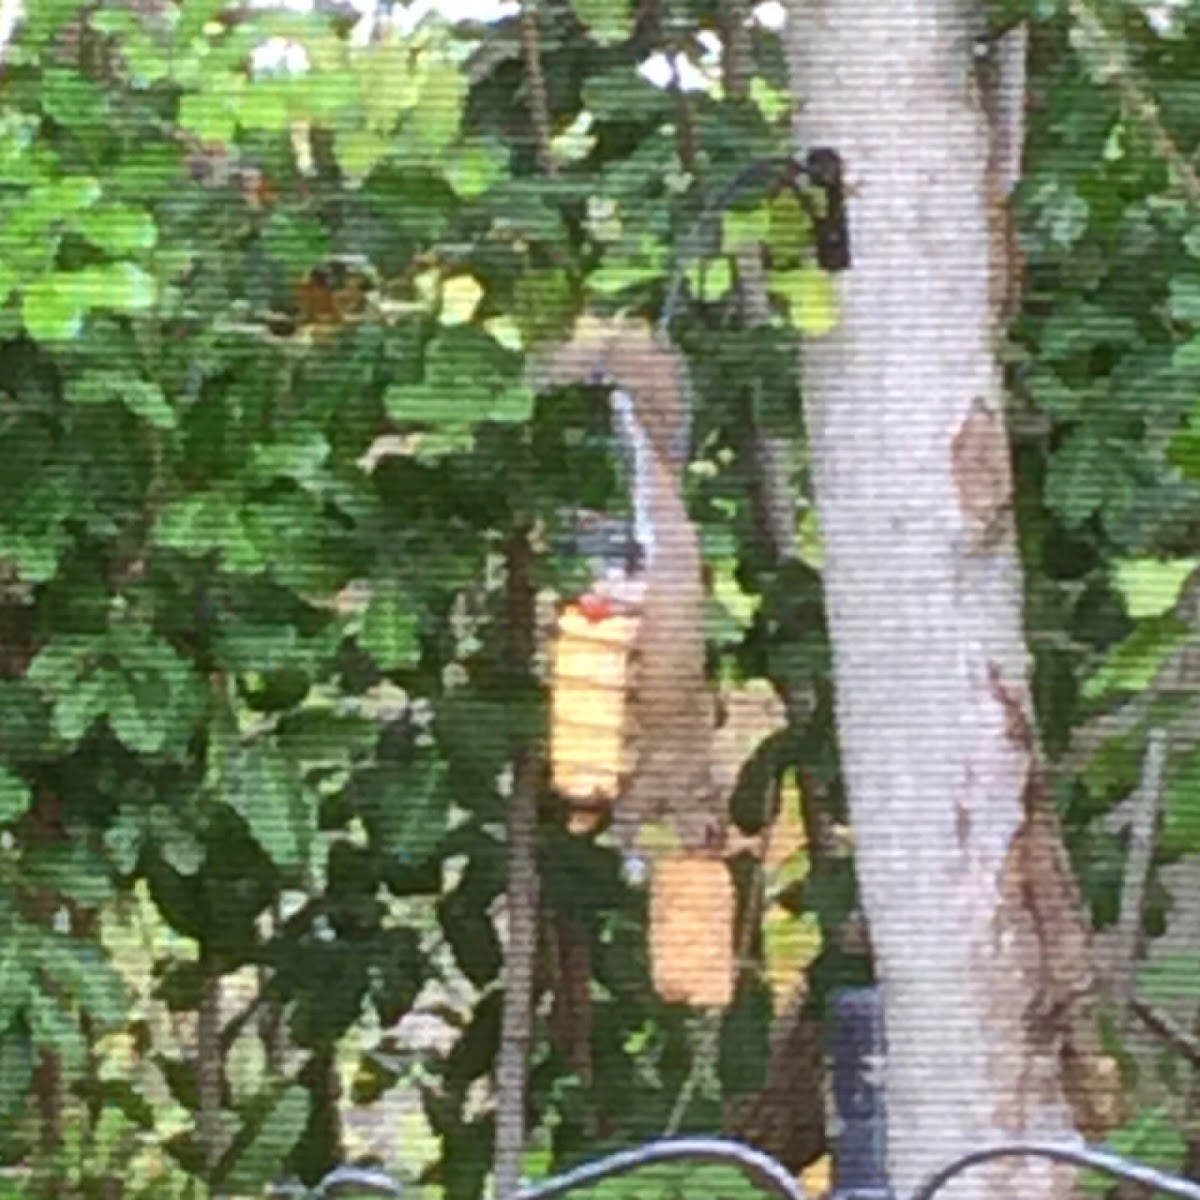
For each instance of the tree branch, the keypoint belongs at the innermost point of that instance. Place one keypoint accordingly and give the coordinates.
(1158, 1022)
(516, 1034)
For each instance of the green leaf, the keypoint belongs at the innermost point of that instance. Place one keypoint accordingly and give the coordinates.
(1185, 299)
(76, 710)
(136, 712)
(741, 230)
(8, 282)
(615, 277)
(542, 306)
(461, 295)
(142, 398)
(265, 790)
(300, 455)
(621, 94)
(83, 973)
(1153, 1137)
(1080, 470)
(710, 279)
(51, 312)
(473, 167)
(73, 100)
(811, 298)
(790, 229)
(608, 21)
(15, 796)
(406, 807)
(272, 1140)
(209, 116)
(510, 405)
(1132, 665)
(210, 521)
(435, 119)
(123, 840)
(388, 84)
(1181, 812)
(1150, 586)
(64, 197)
(77, 869)
(360, 151)
(53, 1029)
(17, 965)
(119, 287)
(1169, 979)
(391, 628)
(118, 228)
(298, 243)
(266, 106)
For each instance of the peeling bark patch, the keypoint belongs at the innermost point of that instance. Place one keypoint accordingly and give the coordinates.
(1043, 909)
(983, 475)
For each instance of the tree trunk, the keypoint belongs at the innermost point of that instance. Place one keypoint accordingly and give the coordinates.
(974, 920)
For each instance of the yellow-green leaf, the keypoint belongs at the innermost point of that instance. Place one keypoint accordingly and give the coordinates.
(711, 279)
(608, 21)
(461, 295)
(810, 297)
(1151, 587)
(360, 151)
(50, 312)
(789, 229)
(741, 229)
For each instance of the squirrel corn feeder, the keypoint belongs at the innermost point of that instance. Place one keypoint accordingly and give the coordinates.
(692, 930)
(589, 743)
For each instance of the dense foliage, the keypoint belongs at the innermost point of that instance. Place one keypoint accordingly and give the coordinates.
(267, 443)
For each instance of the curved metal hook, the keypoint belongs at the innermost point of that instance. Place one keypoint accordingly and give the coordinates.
(762, 1168)
(1063, 1152)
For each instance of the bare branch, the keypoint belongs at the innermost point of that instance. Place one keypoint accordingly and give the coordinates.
(1158, 1022)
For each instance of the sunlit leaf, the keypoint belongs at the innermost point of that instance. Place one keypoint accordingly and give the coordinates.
(461, 295)
(118, 228)
(1132, 665)
(608, 21)
(742, 228)
(811, 298)
(1151, 586)
(51, 311)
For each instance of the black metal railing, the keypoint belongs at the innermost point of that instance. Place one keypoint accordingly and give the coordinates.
(770, 1174)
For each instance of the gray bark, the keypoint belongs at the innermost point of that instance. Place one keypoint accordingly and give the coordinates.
(923, 582)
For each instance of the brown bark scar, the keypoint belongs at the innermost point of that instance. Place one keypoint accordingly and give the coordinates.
(983, 475)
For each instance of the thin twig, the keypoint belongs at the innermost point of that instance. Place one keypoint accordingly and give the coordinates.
(1157, 1021)
(1114, 66)
(537, 97)
(1143, 824)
